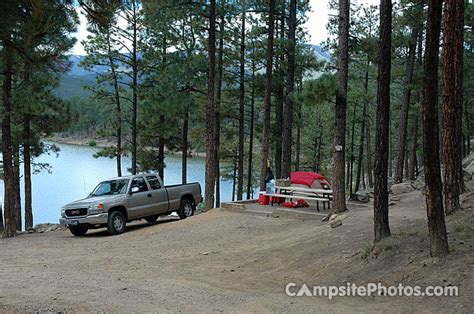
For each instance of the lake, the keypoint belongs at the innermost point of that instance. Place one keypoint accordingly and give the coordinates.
(75, 172)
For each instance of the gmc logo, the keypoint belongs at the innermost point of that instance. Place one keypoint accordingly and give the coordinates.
(75, 212)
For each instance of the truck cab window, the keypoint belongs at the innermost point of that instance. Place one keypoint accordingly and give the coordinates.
(154, 182)
(140, 183)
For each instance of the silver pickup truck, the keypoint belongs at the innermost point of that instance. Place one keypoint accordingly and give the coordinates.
(117, 201)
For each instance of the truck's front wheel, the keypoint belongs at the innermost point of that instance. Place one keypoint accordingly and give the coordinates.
(116, 223)
(78, 231)
(186, 209)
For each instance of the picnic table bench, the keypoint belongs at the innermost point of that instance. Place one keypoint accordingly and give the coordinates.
(294, 192)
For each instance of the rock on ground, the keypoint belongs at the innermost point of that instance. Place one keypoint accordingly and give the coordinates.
(468, 160)
(336, 223)
(401, 188)
(469, 171)
(363, 196)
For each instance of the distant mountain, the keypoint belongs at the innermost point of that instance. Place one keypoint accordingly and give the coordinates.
(72, 83)
(76, 70)
(320, 53)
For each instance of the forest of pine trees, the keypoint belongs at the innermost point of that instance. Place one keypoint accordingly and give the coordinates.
(239, 81)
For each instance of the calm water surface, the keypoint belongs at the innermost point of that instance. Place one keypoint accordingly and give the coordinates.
(75, 172)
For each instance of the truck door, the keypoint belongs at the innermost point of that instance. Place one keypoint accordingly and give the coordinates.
(140, 201)
(159, 194)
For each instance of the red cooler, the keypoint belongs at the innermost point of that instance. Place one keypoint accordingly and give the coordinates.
(263, 199)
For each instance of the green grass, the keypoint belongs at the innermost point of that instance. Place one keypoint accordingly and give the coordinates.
(377, 248)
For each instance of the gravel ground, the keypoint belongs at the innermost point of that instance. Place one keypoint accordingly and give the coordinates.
(225, 261)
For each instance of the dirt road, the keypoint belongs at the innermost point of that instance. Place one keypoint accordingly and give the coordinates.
(223, 261)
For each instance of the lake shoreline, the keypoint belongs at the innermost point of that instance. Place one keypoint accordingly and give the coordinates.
(103, 143)
(72, 172)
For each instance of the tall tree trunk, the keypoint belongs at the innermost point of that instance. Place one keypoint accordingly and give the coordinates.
(161, 152)
(134, 90)
(414, 147)
(450, 110)
(434, 190)
(468, 130)
(289, 103)
(268, 94)
(184, 149)
(458, 92)
(362, 134)
(315, 157)
(320, 141)
(16, 187)
(406, 163)
(381, 224)
(2, 226)
(370, 165)
(240, 186)
(252, 114)
(220, 66)
(234, 178)
(118, 108)
(364, 186)
(280, 98)
(118, 111)
(7, 148)
(413, 166)
(351, 164)
(211, 137)
(403, 129)
(339, 192)
(390, 150)
(348, 170)
(278, 129)
(27, 170)
(298, 138)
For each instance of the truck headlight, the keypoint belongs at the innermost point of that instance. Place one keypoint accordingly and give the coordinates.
(63, 212)
(96, 209)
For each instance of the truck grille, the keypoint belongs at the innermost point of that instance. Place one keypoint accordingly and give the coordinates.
(76, 212)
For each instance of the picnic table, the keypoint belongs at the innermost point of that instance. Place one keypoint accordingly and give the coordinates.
(296, 192)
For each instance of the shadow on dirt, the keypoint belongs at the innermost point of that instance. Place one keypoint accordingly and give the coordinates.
(131, 227)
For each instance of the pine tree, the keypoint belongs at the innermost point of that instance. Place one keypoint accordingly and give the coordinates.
(289, 103)
(434, 196)
(7, 149)
(41, 39)
(381, 223)
(451, 107)
(211, 111)
(407, 89)
(268, 93)
(240, 186)
(102, 51)
(339, 203)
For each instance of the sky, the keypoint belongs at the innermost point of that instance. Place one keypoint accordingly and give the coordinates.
(319, 17)
(316, 24)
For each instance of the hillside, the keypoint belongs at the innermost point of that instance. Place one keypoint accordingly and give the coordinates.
(72, 83)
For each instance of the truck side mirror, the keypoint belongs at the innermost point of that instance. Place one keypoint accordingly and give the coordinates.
(134, 189)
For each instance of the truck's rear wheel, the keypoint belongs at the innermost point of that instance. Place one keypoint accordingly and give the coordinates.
(78, 231)
(186, 209)
(116, 223)
(151, 219)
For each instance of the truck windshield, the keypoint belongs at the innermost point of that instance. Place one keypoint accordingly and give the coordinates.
(111, 187)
